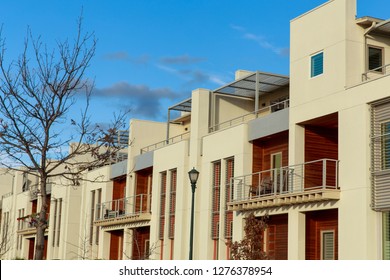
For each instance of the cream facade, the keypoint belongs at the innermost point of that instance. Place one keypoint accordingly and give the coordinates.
(310, 150)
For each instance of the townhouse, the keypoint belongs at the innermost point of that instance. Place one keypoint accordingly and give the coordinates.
(309, 150)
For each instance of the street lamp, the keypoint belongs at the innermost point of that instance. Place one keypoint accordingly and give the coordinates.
(193, 174)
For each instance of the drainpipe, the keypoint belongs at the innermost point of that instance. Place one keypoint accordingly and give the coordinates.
(373, 25)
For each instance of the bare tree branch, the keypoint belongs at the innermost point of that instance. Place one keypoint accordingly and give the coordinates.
(37, 92)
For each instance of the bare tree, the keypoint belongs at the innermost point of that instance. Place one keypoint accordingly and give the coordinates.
(251, 246)
(136, 252)
(37, 92)
(6, 236)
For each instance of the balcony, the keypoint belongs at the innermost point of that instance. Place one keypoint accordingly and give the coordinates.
(135, 209)
(314, 181)
(28, 224)
(164, 143)
(251, 116)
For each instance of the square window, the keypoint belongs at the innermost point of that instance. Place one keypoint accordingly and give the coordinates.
(317, 64)
(375, 59)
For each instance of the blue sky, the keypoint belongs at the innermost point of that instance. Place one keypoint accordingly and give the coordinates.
(151, 54)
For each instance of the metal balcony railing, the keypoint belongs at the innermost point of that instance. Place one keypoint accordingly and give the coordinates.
(376, 73)
(313, 175)
(124, 207)
(252, 115)
(164, 143)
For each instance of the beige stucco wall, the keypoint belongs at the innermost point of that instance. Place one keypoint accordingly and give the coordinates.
(338, 89)
(171, 157)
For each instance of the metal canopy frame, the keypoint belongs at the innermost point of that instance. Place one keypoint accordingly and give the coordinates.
(183, 106)
(251, 86)
(260, 82)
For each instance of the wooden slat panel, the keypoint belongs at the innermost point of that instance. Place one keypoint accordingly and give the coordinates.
(277, 237)
(139, 242)
(119, 185)
(320, 142)
(116, 245)
(143, 178)
(262, 151)
(316, 222)
(264, 148)
(31, 247)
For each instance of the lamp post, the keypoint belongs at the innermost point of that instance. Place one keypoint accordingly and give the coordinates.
(193, 174)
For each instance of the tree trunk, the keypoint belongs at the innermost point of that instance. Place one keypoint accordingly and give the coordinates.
(41, 221)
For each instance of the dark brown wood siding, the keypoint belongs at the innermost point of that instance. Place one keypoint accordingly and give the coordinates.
(320, 143)
(263, 149)
(119, 187)
(140, 238)
(116, 245)
(31, 247)
(34, 205)
(317, 221)
(142, 182)
(277, 237)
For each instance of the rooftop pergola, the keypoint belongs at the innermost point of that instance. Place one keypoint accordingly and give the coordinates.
(251, 86)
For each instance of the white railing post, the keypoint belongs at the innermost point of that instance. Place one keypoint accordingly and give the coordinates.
(337, 174)
(281, 183)
(302, 177)
(323, 173)
(141, 204)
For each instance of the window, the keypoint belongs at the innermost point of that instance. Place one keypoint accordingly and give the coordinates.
(215, 200)
(375, 59)
(327, 245)
(172, 204)
(385, 151)
(229, 174)
(54, 223)
(92, 217)
(59, 201)
(386, 235)
(317, 64)
(163, 186)
(147, 249)
(215, 207)
(99, 201)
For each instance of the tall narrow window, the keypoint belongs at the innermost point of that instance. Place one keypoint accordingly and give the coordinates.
(163, 189)
(375, 59)
(98, 214)
(386, 235)
(172, 204)
(215, 208)
(162, 204)
(92, 217)
(317, 64)
(5, 240)
(228, 198)
(59, 221)
(327, 245)
(54, 222)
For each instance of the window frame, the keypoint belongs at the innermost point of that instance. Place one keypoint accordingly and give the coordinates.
(322, 233)
(312, 63)
(379, 69)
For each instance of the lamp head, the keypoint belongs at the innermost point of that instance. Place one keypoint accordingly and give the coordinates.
(194, 175)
